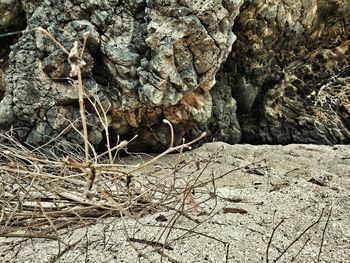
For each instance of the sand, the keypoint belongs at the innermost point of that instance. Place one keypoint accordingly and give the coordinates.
(300, 191)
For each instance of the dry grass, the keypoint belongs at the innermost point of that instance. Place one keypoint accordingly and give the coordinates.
(42, 194)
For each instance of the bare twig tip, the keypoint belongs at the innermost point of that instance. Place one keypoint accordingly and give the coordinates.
(41, 29)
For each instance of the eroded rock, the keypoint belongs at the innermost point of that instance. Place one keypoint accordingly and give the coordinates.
(286, 79)
(146, 61)
(289, 70)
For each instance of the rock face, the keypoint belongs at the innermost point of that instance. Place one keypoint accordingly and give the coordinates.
(286, 73)
(290, 71)
(146, 61)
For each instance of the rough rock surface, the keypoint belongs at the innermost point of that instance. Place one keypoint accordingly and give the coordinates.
(146, 61)
(153, 59)
(290, 72)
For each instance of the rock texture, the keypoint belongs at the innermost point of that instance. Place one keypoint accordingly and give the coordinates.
(290, 72)
(146, 61)
(11, 14)
(287, 76)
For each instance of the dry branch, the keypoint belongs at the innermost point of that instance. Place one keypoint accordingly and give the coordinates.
(44, 193)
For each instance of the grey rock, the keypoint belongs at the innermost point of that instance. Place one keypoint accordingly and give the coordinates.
(224, 125)
(149, 59)
(252, 71)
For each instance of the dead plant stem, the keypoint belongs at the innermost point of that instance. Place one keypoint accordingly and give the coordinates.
(323, 234)
(82, 114)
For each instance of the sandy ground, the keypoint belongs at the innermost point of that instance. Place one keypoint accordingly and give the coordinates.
(300, 191)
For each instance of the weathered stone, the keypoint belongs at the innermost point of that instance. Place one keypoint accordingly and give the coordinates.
(153, 60)
(290, 71)
(286, 79)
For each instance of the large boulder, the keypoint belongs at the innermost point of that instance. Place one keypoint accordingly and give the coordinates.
(242, 70)
(145, 61)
